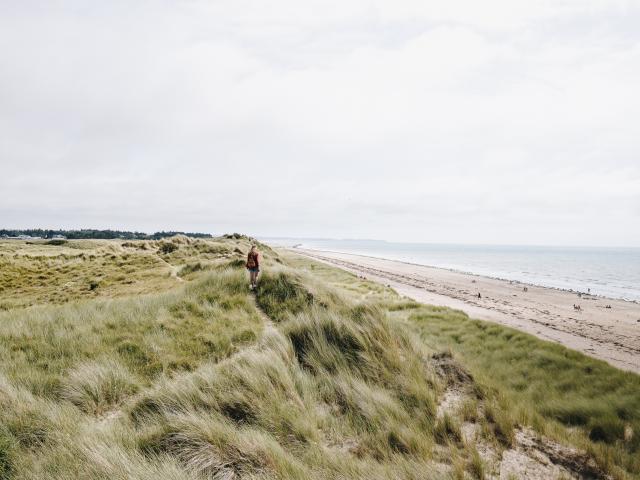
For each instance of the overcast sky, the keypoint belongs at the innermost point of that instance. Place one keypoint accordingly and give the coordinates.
(502, 121)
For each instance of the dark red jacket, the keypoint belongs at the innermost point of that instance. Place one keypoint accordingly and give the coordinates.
(253, 260)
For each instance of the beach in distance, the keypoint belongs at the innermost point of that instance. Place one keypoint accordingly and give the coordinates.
(563, 308)
(605, 271)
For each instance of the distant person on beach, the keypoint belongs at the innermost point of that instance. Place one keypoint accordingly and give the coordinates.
(253, 265)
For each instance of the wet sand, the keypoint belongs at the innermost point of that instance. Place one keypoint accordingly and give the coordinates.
(612, 335)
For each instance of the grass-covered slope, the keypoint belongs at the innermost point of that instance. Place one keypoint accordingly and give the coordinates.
(550, 385)
(317, 375)
(59, 271)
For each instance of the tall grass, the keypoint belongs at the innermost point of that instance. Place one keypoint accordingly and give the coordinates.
(45, 273)
(547, 380)
(561, 392)
(284, 292)
(94, 356)
(99, 385)
(188, 384)
(284, 410)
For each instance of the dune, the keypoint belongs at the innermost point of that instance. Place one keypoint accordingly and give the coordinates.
(158, 362)
(610, 334)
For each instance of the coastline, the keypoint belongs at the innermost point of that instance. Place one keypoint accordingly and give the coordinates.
(610, 334)
(466, 272)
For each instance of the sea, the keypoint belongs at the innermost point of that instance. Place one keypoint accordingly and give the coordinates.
(606, 271)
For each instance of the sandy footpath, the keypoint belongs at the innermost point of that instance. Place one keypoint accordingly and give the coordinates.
(611, 334)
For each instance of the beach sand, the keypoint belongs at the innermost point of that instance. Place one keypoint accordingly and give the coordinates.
(612, 335)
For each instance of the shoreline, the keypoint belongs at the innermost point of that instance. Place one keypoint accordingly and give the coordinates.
(465, 272)
(610, 334)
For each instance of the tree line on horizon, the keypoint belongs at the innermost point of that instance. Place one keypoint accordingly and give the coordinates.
(98, 234)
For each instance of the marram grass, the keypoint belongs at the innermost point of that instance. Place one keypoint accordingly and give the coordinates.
(318, 375)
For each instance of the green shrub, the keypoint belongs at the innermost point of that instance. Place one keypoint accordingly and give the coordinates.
(168, 247)
(56, 241)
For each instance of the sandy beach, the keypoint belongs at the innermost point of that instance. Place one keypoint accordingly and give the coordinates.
(610, 334)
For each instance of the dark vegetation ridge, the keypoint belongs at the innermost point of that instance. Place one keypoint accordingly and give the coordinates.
(89, 233)
(317, 375)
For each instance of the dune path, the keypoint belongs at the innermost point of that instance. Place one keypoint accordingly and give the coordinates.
(610, 334)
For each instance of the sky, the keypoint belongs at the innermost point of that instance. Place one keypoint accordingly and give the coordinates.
(500, 122)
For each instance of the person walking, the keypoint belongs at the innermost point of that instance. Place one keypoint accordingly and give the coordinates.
(253, 265)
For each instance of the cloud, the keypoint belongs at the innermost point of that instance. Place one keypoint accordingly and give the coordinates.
(400, 120)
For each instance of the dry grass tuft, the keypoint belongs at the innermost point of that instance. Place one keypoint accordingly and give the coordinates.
(98, 386)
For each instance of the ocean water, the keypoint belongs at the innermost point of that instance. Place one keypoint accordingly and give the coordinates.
(610, 272)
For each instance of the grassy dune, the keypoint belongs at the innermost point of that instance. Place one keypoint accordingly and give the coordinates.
(551, 385)
(54, 272)
(185, 373)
